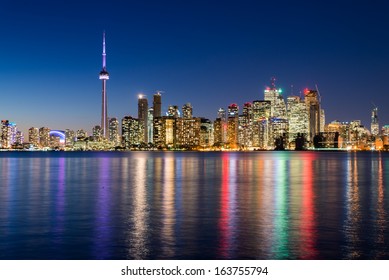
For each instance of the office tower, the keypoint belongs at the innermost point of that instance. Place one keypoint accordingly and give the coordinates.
(33, 136)
(232, 126)
(132, 132)
(114, 131)
(150, 124)
(261, 127)
(165, 131)
(187, 111)
(143, 110)
(385, 130)
(19, 139)
(274, 95)
(157, 104)
(298, 118)
(206, 133)
(44, 137)
(322, 120)
(80, 134)
(222, 115)
(97, 132)
(69, 137)
(104, 76)
(374, 126)
(8, 134)
(312, 101)
(218, 132)
(187, 132)
(246, 126)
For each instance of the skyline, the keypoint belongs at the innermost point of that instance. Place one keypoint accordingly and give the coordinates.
(208, 55)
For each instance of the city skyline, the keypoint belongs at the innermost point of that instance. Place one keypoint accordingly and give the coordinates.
(56, 68)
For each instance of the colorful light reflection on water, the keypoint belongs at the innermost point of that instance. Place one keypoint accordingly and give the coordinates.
(165, 205)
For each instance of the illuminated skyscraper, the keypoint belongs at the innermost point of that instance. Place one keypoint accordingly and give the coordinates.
(97, 132)
(274, 95)
(44, 137)
(104, 76)
(157, 104)
(298, 117)
(221, 130)
(187, 111)
(246, 126)
(261, 127)
(150, 124)
(114, 131)
(132, 131)
(33, 136)
(143, 111)
(8, 132)
(374, 126)
(232, 126)
(312, 102)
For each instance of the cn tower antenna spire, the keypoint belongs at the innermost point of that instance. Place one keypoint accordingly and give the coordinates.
(104, 54)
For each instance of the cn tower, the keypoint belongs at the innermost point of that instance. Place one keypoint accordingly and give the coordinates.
(104, 76)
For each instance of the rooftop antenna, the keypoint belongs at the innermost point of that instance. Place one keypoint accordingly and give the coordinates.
(273, 82)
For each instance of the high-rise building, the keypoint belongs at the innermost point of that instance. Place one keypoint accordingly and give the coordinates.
(80, 134)
(104, 76)
(261, 127)
(246, 126)
(44, 137)
(97, 132)
(312, 101)
(33, 136)
(374, 126)
(187, 111)
(114, 131)
(19, 138)
(206, 133)
(132, 132)
(298, 118)
(187, 132)
(150, 124)
(157, 104)
(69, 137)
(7, 134)
(143, 111)
(164, 133)
(277, 102)
(233, 126)
(173, 111)
(218, 132)
(222, 115)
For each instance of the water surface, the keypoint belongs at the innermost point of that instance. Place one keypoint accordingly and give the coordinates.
(191, 205)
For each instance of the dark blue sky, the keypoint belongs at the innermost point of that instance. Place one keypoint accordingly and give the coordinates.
(208, 53)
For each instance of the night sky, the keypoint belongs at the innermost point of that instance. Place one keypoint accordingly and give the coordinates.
(207, 53)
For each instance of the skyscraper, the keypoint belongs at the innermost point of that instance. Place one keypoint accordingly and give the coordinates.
(187, 111)
(114, 130)
(104, 76)
(157, 104)
(312, 102)
(33, 136)
(374, 126)
(143, 108)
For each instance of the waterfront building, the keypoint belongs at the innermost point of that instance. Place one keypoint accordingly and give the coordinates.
(97, 132)
(277, 102)
(233, 126)
(44, 137)
(245, 129)
(19, 140)
(222, 115)
(7, 134)
(104, 76)
(164, 132)
(298, 118)
(261, 127)
(385, 130)
(132, 132)
(187, 132)
(157, 104)
(206, 133)
(69, 138)
(218, 132)
(114, 136)
(33, 136)
(150, 124)
(81, 134)
(374, 125)
(143, 110)
(312, 101)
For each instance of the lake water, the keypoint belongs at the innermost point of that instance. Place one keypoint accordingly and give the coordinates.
(193, 205)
